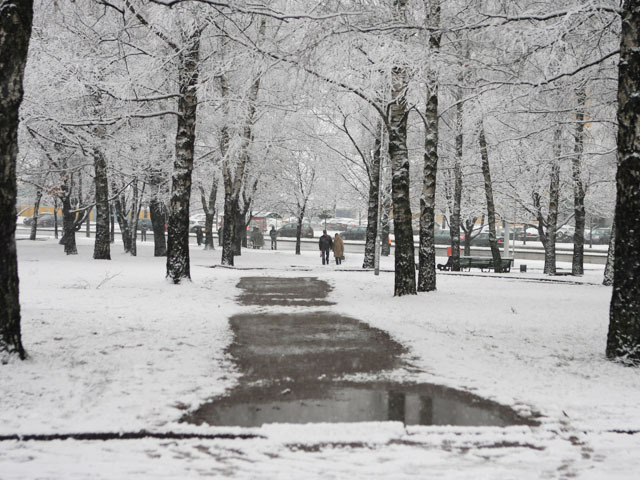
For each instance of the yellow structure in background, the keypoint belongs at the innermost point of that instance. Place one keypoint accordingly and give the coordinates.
(27, 211)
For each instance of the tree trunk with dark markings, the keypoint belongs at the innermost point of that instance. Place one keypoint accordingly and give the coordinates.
(16, 17)
(102, 246)
(623, 341)
(178, 267)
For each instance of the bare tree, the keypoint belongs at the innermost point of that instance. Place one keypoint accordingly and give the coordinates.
(16, 18)
(427, 250)
(405, 264)
(491, 210)
(577, 267)
(547, 227)
(623, 341)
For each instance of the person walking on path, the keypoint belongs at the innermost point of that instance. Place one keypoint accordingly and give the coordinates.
(274, 238)
(326, 244)
(143, 232)
(338, 249)
(199, 235)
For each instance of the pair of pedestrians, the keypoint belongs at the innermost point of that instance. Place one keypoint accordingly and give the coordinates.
(326, 244)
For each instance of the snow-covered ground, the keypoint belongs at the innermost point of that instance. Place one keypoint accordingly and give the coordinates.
(114, 347)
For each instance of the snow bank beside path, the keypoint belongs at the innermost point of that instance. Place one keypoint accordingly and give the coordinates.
(112, 344)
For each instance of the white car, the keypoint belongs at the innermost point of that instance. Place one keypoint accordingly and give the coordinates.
(198, 218)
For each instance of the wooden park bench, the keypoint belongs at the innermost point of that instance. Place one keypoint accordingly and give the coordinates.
(483, 263)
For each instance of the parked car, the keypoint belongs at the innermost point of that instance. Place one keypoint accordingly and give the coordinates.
(195, 225)
(44, 220)
(443, 237)
(337, 226)
(531, 234)
(290, 230)
(565, 233)
(601, 235)
(482, 240)
(354, 233)
(198, 217)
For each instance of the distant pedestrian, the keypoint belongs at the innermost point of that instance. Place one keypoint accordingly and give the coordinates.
(257, 240)
(143, 232)
(338, 249)
(199, 235)
(325, 244)
(274, 238)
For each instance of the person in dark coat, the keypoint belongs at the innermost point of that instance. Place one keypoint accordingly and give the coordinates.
(257, 239)
(325, 244)
(199, 235)
(274, 238)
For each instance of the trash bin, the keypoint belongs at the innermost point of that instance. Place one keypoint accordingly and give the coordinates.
(523, 267)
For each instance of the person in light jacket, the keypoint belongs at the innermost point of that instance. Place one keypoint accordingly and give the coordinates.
(338, 249)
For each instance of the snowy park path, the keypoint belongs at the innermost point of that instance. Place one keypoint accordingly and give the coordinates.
(294, 366)
(116, 349)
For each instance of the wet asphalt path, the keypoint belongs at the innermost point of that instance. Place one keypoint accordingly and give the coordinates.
(294, 363)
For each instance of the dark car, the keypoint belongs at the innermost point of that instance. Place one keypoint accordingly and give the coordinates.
(354, 233)
(443, 237)
(337, 226)
(291, 229)
(482, 240)
(44, 220)
(601, 235)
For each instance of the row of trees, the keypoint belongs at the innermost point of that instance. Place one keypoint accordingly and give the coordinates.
(497, 105)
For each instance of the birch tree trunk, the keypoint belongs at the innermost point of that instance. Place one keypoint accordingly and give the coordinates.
(36, 211)
(554, 203)
(547, 228)
(385, 248)
(240, 233)
(405, 268)
(234, 179)
(68, 222)
(467, 227)
(16, 18)
(454, 219)
(577, 267)
(102, 246)
(55, 217)
(372, 206)
(123, 222)
(299, 232)
(228, 229)
(134, 215)
(209, 208)
(178, 267)
(427, 250)
(491, 210)
(623, 340)
(158, 218)
(608, 269)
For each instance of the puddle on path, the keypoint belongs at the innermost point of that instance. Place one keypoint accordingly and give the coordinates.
(291, 361)
(353, 402)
